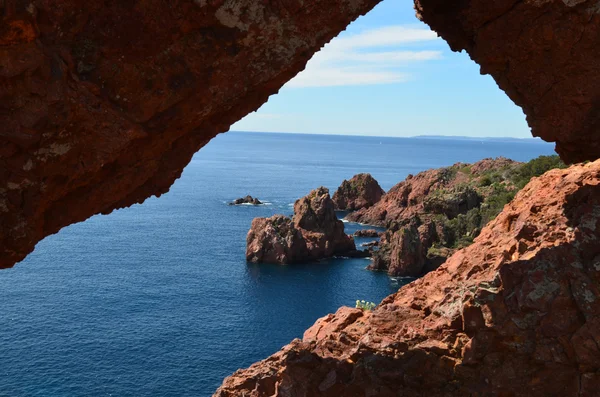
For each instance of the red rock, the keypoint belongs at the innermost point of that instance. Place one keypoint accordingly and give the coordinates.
(484, 323)
(404, 252)
(275, 240)
(315, 216)
(314, 233)
(361, 191)
(411, 197)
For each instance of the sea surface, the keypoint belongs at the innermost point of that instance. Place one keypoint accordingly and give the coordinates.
(158, 300)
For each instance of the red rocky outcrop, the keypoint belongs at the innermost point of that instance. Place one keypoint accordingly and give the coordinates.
(367, 233)
(361, 191)
(412, 197)
(515, 314)
(275, 240)
(404, 252)
(313, 233)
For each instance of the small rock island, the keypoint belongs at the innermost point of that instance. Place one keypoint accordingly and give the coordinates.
(313, 233)
(246, 200)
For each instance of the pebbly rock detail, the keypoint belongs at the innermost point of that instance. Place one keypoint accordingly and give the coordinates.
(361, 191)
(313, 233)
(516, 313)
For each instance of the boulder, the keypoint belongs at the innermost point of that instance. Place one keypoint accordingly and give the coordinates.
(361, 191)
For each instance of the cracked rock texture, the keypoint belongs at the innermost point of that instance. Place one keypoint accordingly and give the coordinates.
(515, 314)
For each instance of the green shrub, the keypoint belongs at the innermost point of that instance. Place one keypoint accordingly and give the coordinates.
(536, 167)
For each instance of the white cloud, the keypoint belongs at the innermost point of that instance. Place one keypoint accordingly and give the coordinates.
(359, 59)
(343, 76)
(385, 36)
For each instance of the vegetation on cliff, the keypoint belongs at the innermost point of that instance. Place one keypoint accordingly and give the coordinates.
(452, 206)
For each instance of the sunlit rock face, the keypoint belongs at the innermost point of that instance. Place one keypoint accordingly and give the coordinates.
(514, 314)
(103, 104)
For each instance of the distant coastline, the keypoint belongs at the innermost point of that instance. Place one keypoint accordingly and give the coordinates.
(428, 137)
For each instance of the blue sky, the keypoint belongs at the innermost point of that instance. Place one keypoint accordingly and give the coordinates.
(389, 75)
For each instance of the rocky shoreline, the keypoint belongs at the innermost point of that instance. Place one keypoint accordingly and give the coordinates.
(513, 314)
(427, 217)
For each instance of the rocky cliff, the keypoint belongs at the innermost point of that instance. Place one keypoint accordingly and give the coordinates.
(313, 233)
(514, 314)
(447, 191)
(430, 215)
(361, 191)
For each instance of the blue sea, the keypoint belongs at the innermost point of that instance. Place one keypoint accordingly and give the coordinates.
(157, 299)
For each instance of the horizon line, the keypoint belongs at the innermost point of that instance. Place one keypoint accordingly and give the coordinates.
(393, 136)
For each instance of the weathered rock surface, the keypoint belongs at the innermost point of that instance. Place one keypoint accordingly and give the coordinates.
(361, 191)
(314, 233)
(367, 233)
(275, 240)
(514, 314)
(102, 104)
(403, 252)
(246, 200)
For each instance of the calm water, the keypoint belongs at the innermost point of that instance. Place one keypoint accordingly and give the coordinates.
(157, 299)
